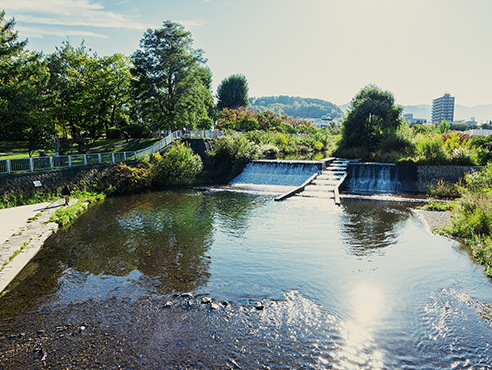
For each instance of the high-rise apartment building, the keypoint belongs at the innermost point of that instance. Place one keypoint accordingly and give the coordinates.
(443, 108)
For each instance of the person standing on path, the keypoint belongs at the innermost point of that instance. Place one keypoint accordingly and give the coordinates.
(66, 194)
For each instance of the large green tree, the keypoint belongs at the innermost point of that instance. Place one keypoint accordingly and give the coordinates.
(232, 93)
(23, 93)
(173, 85)
(372, 115)
(91, 92)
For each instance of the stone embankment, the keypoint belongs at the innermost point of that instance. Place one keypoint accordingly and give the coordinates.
(23, 232)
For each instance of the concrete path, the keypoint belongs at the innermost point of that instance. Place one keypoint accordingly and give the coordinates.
(24, 228)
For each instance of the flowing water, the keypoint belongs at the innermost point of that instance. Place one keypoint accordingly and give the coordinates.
(299, 284)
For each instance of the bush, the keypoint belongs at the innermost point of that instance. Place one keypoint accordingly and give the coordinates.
(114, 133)
(179, 166)
(444, 190)
(430, 150)
(205, 123)
(232, 152)
(268, 151)
(138, 131)
(472, 219)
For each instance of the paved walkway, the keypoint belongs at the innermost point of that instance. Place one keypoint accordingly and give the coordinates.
(26, 228)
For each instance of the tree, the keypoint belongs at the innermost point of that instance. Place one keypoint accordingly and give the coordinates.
(23, 94)
(232, 92)
(172, 83)
(91, 91)
(444, 127)
(372, 115)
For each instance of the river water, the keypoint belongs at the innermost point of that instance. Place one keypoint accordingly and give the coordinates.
(298, 284)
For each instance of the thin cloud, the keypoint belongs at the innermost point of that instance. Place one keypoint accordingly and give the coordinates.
(63, 7)
(36, 32)
(85, 13)
(190, 23)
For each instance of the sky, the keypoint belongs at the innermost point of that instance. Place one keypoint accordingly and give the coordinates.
(325, 49)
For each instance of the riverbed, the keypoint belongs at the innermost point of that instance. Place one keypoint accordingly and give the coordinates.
(230, 280)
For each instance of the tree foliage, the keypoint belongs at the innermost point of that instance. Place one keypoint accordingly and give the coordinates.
(296, 107)
(172, 82)
(232, 93)
(23, 93)
(372, 116)
(92, 93)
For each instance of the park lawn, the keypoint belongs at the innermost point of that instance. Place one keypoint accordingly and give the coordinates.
(15, 150)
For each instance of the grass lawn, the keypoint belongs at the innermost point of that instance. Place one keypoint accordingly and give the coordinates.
(14, 150)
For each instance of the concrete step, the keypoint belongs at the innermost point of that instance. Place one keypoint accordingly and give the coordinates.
(317, 194)
(323, 182)
(319, 188)
(329, 177)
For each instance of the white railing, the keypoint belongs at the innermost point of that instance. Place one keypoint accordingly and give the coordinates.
(91, 159)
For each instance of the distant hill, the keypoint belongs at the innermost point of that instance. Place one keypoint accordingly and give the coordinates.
(296, 107)
(481, 113)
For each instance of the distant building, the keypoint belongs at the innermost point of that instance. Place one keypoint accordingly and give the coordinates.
(408, 117)
(443, 108)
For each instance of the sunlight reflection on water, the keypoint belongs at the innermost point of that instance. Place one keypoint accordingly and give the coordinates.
(358, 349)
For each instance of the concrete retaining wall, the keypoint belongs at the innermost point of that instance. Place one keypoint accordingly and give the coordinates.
(23, 184)
(432, 174)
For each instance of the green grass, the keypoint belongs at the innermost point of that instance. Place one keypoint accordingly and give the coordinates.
(66, 215)
(17, 150)
(17, 252)
(434, 205)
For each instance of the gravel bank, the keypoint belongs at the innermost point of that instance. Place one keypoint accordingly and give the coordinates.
(434, 219)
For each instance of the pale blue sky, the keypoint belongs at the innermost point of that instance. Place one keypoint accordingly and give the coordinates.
(327, 49)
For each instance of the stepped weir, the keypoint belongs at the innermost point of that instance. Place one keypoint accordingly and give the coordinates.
(324, 179)
(319, 179)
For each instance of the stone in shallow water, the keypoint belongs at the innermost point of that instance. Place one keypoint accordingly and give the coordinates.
(206, 300)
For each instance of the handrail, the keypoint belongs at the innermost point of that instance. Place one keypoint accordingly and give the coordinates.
(79, 160)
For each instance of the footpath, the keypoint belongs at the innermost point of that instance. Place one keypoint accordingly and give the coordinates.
(23, 231)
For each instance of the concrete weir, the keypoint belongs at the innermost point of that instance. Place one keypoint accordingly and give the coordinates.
(324, 184)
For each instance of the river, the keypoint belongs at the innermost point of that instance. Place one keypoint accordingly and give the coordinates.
(187, 279)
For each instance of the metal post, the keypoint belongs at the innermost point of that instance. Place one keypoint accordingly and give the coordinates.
(9, 169)
(85, 159)
(31, 164)
(124, 156)
(51, 162)
(99, 157)
(69, 161)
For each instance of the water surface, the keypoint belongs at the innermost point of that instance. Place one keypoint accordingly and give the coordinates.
(295, 284)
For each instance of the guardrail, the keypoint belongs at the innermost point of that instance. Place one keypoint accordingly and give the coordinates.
(91, 159)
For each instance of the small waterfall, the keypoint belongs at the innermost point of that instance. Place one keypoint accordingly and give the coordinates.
(276, 173)
(373, 178)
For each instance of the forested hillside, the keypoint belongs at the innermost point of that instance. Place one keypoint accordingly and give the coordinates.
(296, 106)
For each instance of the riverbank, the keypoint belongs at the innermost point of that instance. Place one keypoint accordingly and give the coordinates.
(434, 219)
(23, 232)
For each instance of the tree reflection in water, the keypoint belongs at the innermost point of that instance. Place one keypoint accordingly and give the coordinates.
(157, 241)
(367, 229)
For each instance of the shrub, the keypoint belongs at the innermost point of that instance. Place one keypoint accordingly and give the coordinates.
(137, 131)
(123, 179)
(444, 190)
(179, 166)
(205, 123)
(233, 152)
(268, 151)
(472, 219)
(114, 133)
(248, 124)
(430, 150)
